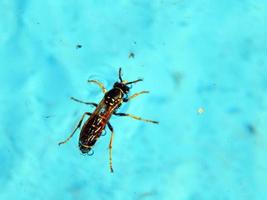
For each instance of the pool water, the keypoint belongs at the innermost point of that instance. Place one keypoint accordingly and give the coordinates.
(204, 63)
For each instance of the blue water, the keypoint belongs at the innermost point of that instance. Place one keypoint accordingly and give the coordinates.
(204, 63)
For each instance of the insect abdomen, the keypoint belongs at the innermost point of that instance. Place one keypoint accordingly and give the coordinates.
(90, 133)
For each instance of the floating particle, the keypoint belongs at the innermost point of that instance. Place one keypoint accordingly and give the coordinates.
(177, 77)
(251, 128)
(131, 55)
(200, 110)
(78, 46)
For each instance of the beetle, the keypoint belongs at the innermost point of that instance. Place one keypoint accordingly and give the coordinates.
(99, 119)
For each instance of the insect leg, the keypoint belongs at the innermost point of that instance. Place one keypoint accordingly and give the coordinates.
(110, 146)
(135, 95)
(87, 103)
(78, 126)
(101, 85)
(137, 118)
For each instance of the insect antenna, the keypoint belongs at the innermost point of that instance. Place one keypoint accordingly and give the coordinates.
(134, 81)
(125, 82)
(120, 74)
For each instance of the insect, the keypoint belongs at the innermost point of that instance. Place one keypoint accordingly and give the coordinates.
(99, 119)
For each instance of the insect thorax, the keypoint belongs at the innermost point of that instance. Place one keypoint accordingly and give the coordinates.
(113, 97)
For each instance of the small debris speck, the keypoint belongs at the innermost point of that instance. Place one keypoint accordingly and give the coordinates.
(78, 46)
(177, 77)
(48, 116)
(250, 128)
(131, 55)
(200, 110)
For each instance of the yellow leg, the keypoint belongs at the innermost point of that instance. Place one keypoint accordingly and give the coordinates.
(110, 152)
(78, 126)
(101, 85)
(136, 94)
(110, 147)
(137, 118)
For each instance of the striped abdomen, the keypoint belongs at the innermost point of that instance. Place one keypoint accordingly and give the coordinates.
(90, 132)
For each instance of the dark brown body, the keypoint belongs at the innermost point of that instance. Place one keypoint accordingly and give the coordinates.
(93, 127)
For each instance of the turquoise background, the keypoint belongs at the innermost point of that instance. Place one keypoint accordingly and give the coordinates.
(206, 54)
